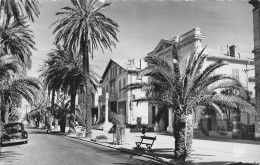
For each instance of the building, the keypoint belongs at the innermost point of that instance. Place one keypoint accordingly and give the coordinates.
(256, 51)
(117, 74)
(81, 99)
(189, 42)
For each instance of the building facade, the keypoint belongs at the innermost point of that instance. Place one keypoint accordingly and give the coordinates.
(117, 74)
(237, 66)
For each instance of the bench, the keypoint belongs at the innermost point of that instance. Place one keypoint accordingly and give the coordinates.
(146, 141)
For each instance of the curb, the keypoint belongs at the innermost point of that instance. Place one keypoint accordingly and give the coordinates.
(131, 152)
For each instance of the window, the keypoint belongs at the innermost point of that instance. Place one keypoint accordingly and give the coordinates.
(111, 72)
(106, 88)
(153, 114)
(103, 90)
(115, 71)
(119, 86)
(235, 73)
(124, 82)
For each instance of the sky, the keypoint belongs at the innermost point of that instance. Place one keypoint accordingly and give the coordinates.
(143, 23)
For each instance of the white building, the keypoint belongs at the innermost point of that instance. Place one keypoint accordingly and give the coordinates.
(117, 74)
(189, 42)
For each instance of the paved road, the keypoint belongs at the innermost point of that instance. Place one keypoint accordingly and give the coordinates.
(46, 149)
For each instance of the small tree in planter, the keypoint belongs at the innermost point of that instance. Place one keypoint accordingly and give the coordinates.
(101, 138)
(118, 120)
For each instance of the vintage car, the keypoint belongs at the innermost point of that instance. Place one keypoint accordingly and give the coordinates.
(14, 133)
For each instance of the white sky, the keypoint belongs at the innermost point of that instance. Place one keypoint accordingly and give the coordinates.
(143, 23)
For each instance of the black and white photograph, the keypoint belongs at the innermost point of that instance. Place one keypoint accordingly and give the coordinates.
(129, 82)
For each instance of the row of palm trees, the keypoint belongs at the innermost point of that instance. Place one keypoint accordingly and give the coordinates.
(79, 30)
(63, 71)
(16, 46)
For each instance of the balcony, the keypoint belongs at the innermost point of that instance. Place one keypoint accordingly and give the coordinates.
(122, 94)
(112, 96)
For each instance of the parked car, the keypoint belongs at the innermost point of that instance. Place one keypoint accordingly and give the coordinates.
(14, 133)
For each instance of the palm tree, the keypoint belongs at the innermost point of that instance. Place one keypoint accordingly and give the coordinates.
(17, 8)
(183, 86)
(61, 110)
(38, 111)
(14, 114)
(64, 70)
(18, 40)
(8, 67)
(13, 90)
(85, 28)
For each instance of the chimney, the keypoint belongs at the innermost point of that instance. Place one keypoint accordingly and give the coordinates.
(232, 51)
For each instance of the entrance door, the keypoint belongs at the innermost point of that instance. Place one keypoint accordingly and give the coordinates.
(113, 106)
(122, 108)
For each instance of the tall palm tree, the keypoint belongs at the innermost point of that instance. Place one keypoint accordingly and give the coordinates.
(85, 28)
(183, 86)
(64, 70)
(18, 40)
(17, 8)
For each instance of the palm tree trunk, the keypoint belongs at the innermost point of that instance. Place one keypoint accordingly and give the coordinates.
(88, 92)
(183, 134)
(53, 98)
(0, 116)
(52, 105)
(72, 111)
(63, 123)
(7, 116)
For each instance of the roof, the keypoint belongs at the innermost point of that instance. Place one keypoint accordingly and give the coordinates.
(125, 64)
(232, 59)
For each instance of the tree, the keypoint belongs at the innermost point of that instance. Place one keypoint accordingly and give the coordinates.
(61, 111)
(13, 90)
(182, 85)
(64, 70)
(85, 28)
(37, 113)
(18, 41)
(14, 114)
(19, 8)
(8, 67)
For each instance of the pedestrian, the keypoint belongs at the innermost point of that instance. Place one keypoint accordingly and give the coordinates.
(143, 128)
(94, 119)
(76, 122)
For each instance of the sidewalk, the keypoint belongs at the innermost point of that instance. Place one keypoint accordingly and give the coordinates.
(206, 151)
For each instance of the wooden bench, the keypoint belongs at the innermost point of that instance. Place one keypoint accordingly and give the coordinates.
(146, 141)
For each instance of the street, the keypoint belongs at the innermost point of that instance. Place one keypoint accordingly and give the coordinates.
(50, 149)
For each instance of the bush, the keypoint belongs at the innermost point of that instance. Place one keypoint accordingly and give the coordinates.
(247, 131)
(101, 137)
(118, 121)
(240, 163)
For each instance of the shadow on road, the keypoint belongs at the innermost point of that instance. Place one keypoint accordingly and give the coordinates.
(138, 163)
(8, 156)
(33, 131)
(13, 144)
(220, 163)
(243, 141)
